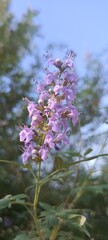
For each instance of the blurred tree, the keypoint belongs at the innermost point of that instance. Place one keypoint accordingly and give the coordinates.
(92, 103)
(92, 88)
(16, 39)
(16, 44)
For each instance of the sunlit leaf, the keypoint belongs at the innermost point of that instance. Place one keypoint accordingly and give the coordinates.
(80, 219)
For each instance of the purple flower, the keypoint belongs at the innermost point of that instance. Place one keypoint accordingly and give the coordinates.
(43, 96)
(54, 124)
(51, 115)
(69, 94)
(69, 63)
(49, 78)
(57, 89)
(62, 138)
(44, 151)
(74, 115)
(58, 63)
(49, 139)
(25, 157)
(40, 87)
(28, 152)
(26, 134)
(70, 77)
(31, 108)
(51, 103)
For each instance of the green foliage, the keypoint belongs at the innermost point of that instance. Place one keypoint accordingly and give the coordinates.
(67, 219)
(25, 236)
(8, 200)
(21, 237)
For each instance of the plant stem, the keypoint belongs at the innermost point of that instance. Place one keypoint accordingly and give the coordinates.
(54, 233)
(36, 197)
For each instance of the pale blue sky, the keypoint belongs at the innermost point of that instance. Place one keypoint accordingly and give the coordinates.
(80, 24)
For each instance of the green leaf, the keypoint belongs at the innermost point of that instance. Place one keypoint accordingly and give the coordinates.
(84, 229)
(19, 197)
(73, 154)
(4, 202)
(55, 176)
(80, 219)
(88, 151)
(51, 220)
(98, 188)
(30, 187)
(28, 166)
(27, 236)
(8, 200)
(78, 238)
(68, 214)
(45, 206)
(47, 213)
(62, 235)
(58, 162)
(62, 175)
(22, 237)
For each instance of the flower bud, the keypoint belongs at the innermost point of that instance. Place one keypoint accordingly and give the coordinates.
(58, 63)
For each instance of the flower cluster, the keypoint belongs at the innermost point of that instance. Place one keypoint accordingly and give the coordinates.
(51, 114)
